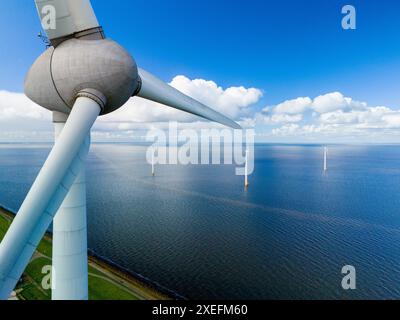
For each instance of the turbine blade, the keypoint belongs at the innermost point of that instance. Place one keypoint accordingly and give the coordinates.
(46, 195)
(62, 18)
(156, 90)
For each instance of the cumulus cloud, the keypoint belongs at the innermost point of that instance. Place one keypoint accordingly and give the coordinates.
(17, 106)
(234, 102)
(293, 107)
(290, 110)
(336, 101)
(330, 116)
(18, 113)
(282, 118)
(22, 120)
(392, 120)
(285, 130)
(231, 101)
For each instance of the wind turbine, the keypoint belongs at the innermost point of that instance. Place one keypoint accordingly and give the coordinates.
(80, 77)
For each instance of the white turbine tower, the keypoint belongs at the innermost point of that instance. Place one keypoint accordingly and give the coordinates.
(81, 76)
(325, 159)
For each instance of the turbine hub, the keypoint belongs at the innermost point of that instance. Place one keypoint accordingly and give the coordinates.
(60, 73)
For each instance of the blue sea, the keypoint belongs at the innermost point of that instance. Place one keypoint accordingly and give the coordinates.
(196, 231)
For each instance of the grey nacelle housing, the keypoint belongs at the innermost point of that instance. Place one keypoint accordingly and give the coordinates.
(59, 74)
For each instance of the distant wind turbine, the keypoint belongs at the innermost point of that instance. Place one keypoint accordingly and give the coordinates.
(325, 159)
(81, 76)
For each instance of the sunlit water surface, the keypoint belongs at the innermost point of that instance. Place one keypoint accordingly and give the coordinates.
(196, 231)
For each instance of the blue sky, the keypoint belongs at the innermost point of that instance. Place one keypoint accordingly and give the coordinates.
(287, 49)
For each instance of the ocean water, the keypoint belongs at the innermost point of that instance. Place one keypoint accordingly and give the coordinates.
(197, 232)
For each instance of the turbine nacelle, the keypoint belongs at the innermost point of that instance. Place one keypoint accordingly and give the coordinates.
(100, 67)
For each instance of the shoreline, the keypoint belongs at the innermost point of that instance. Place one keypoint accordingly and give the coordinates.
(144, 288)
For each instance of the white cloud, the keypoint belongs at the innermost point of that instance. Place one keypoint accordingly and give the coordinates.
(283, 118)
(15, 106)
(369, 125)
(23, 120)
(371, 117)
(19, 114)
(392, 120)
(288, 129)
(336, 101)
(329, 117)
(322, 104)
(289, 111)
(295, 106)
(233, 102)
(294, 110)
